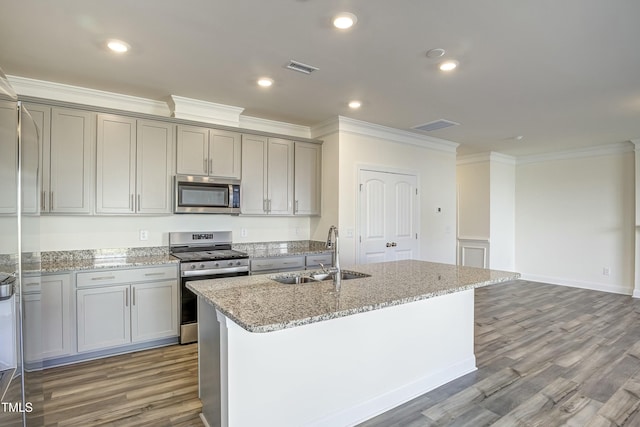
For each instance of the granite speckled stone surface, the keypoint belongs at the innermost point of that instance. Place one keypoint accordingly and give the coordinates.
(58, 261)
(260, 304)
(276, 249)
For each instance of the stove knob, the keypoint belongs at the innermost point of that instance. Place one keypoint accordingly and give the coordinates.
(238, 263)
(230, 263)
(217, 264)
(192, 266)
(202, 266)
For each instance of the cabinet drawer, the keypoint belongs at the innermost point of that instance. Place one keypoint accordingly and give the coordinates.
(31, 285)
(109, 277)
(277, 263)
(315, 260)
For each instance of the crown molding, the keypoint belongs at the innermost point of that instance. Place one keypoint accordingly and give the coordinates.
(579, 153)
(636, 144)
(274, 126)
(359, 127)
(80, 95)
(486, 157)
(204, 111)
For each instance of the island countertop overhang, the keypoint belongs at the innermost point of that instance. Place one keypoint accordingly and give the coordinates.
(260, 304)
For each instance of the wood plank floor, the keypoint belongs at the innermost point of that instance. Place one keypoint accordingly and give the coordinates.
(156, 387)
(547, 356)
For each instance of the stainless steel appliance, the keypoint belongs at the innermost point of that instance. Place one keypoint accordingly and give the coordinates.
(203, 256)
(203, 194)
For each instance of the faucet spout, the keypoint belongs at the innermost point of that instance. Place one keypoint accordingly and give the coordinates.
(333, 230)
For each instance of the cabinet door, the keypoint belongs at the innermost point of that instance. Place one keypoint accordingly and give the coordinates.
(154, 171)
(41, 115)
(8, 157)
(224, 153)
(307, 178)
(193, 150)
(115, 173)
(253, 189)
(104, 318)
(72, 145)
(48, 319)
(280, 177)
(154, 310)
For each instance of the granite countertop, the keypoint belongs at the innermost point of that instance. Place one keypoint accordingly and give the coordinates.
(98, 263)
(260, 304)
(280, 249)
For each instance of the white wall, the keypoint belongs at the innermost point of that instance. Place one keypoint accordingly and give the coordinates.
(574, 217)
(102, 232)
(503, 215)
(361, 143)
(473, 182)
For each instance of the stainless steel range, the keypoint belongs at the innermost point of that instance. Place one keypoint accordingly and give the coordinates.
(203, 256)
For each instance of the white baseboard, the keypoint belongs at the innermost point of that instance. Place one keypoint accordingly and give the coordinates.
(636, 293)
(603, 287)
(393, 398)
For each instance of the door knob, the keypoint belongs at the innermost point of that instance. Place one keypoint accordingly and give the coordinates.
(394, 244)
(388, 244)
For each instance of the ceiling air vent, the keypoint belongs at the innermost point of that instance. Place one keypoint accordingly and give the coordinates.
(435, 125)
(300, 67)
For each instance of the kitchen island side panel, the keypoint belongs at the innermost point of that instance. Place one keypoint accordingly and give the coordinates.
(341, 371)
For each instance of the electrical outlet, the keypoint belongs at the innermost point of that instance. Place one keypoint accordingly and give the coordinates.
(350, 232)
(606, 271)
(243, 232)
(144, 235)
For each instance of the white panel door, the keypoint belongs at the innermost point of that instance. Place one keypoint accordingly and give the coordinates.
(280, 177)
(8, 157)
(388, 217)
(116, 164)
(193, 150)
(224, 153)
(253, 191)
(154, 310)
(71, 159)
(104, 317)
(154, 167)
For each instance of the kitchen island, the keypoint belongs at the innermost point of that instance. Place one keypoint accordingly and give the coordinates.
(304, 354)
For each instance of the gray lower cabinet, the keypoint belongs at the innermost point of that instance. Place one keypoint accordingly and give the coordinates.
(121, 307)
(49, 319)
(276, 264)
(314, 260)
(267, 265)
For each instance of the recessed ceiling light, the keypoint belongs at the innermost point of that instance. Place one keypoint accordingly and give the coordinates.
(518, 138)
(435, 53)
(449, 65)
(118, 46)
(355, 104)
(265, 81)
(344, 20)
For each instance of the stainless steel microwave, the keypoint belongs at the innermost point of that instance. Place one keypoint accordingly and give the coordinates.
(203, 194)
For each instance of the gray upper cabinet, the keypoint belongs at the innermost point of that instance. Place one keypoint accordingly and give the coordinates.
(8, 157)
(208, 152)
(267, 176)
(134, 165)
(307, 178)
(67, 144)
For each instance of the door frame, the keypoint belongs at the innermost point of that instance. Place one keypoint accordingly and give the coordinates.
(358, 195)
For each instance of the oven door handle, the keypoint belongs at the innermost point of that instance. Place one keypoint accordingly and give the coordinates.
(214, 271)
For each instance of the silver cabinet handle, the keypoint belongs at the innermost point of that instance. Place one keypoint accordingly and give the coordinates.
(103, 278)
(154, 274)
(264, 205)
(51, 202)
(131, 205)
(295, 209)
(204, 165)
(42, 196)
(268, 205)
(210, 166)
(139, 204)
(133, 293)
(126, 298)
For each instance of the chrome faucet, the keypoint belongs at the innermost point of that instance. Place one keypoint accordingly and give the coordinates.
(337, 275)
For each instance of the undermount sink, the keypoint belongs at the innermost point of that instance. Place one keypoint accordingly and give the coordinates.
(319, 277)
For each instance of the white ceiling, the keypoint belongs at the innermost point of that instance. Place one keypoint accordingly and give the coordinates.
(562, 73)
